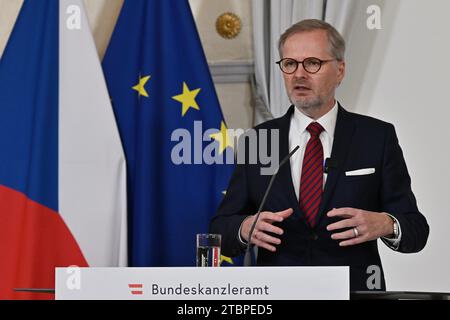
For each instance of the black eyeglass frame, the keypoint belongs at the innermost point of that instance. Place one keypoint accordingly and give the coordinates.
(303, 65)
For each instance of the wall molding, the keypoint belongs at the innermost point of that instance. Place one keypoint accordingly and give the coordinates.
(231, 71)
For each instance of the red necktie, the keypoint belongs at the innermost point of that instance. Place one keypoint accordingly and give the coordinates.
(311, 180)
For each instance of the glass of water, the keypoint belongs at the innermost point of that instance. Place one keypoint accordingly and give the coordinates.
(208, 250)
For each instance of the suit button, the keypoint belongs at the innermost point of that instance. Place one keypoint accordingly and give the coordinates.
(315, 237)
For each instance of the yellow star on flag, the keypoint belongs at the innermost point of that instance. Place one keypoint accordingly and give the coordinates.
(222, 137)
(140, 87)
(187, 99)
(226, 259)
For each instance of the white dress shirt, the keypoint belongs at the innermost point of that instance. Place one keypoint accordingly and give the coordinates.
(299, 136)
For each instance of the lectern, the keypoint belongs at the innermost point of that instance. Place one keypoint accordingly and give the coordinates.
(233, 283)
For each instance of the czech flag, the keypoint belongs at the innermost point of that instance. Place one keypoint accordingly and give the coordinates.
(62, 167)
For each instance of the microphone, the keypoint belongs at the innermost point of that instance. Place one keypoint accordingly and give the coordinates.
(329, 164)
(248, 257)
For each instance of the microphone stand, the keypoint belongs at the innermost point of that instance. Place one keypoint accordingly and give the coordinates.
(248, 255)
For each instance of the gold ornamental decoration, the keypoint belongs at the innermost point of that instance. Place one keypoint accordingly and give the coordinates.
(228, 25)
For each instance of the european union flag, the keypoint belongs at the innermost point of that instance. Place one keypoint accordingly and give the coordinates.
(172, 130)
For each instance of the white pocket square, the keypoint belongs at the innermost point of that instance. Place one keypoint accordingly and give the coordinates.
(360, 172)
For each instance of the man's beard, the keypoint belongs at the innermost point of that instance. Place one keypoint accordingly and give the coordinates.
(308, 103)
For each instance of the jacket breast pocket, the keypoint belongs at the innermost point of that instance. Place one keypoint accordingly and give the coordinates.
(358, 191)
(365, 177)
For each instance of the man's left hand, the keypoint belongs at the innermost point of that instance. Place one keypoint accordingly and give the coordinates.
(366, 225)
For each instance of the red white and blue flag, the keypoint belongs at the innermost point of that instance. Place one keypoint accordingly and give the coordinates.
(62, 167)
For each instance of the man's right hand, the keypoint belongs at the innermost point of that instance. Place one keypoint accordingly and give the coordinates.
(264, 225)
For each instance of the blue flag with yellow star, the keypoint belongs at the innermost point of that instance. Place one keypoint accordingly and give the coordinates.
(172, 129)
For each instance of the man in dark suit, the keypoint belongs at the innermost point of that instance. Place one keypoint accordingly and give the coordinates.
(316, 214)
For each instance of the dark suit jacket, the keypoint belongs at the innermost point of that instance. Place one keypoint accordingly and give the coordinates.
(359, 142)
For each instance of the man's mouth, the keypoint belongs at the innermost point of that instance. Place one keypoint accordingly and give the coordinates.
(301, 88)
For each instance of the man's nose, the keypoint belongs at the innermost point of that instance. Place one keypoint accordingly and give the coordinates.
(300, 73)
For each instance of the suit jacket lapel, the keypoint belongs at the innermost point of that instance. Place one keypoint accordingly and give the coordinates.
(342, 141)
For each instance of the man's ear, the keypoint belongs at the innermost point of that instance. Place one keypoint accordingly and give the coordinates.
(341, 71)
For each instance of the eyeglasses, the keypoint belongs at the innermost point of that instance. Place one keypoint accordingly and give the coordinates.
(311, 64)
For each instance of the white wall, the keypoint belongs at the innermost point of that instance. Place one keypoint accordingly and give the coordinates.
(234, 97)
(217, 48)
(404, 78)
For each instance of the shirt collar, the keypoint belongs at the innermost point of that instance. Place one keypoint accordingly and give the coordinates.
(327, 121)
